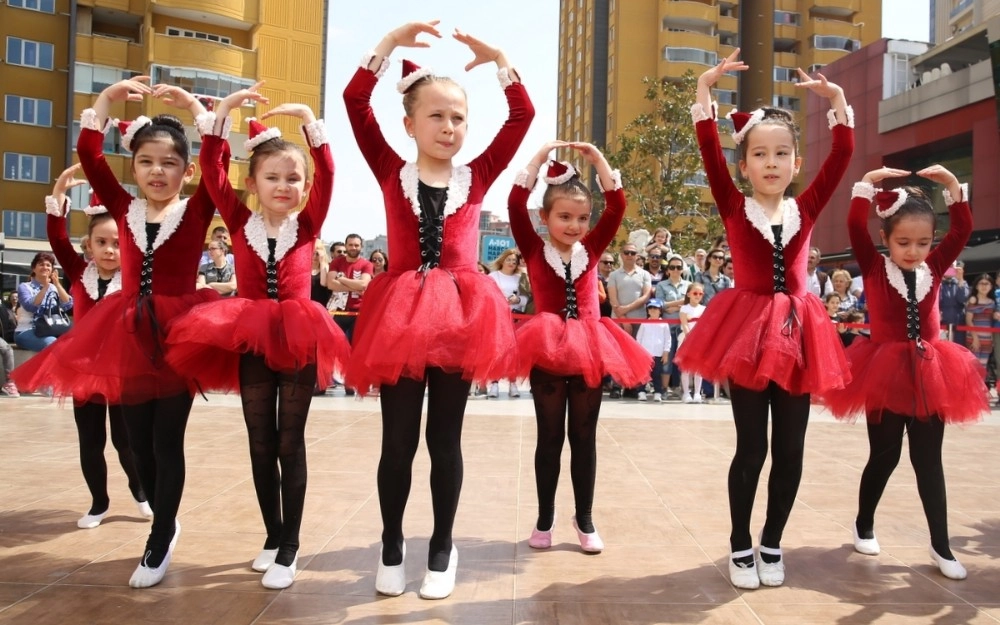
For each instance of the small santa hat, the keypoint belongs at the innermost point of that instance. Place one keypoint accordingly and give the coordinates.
(259, 133)
(96, 207)
(207, 101)
(558, 172)
(411, 74)
(743, 122)
(888, 202)
(129, 129)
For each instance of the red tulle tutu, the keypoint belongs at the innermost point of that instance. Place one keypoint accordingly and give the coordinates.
(946, 381)
(753, 339)
(206, 344)
(592, 348)
(115, 353)
(453, 319)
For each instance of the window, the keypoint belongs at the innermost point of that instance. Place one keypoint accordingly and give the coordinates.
(112, 140)
(786, 102)
(25, 225)
(18, 110)
(815, 68)
(30, 53)
(787, 18)
(697, 180)
(97, 78)
(43, 6)
(831, 42)
(785, 74)
(194, 34)
(730, 155)
(199, 82)
(690, 55)
(26, 168)
(725, 96)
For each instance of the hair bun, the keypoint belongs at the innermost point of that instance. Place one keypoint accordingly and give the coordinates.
(165, 119)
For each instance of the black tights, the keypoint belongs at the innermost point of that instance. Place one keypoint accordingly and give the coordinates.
(885, 440)
(156, 434)
(275, 408)
(788, 433)
(552, 395)
(93, 437)
(402, 404)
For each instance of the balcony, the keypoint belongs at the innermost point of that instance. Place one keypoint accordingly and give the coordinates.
(109, 51)
(682, 13)
(840, 8)
(729, 25)
(135, 7)
(184, 52)
(688, 40)
(241, 14)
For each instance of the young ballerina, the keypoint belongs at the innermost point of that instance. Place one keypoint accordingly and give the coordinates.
(769, 336)
(690, 313)
(117, 351)
(456, 326)
(273, 343)
(91, 281)
(567, 348)
(905, 378)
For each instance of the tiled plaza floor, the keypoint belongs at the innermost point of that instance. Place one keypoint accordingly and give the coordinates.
(661, 508)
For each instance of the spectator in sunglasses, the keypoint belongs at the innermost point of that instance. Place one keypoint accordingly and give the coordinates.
(671, 291)
(713, 278)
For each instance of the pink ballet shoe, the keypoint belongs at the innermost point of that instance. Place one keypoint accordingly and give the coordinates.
(590, 543)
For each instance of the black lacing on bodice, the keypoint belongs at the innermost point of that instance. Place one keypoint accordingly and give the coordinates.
(912, 310)
(146, 275)
(778, 261)
(272, 269)
(432, 200)
(572, 310)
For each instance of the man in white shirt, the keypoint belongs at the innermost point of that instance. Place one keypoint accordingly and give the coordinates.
(819, 283)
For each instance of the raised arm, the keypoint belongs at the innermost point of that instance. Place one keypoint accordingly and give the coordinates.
(610, 182)
(841, 121)
(956, 197)
(517, 202)
(57, 206)
(862, 196)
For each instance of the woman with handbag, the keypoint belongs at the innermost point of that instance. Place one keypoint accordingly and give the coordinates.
(44, 303)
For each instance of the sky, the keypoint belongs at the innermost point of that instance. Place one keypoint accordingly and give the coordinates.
(527, 30)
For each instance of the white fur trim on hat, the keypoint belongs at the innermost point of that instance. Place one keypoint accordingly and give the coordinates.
(831, 117)
(616, 178)
(863, 189)
(948, 200)
(755, 118)
(901, 196)
(137, 124)
(315, 133)
(565, 177)
(366, 60)
(52, 206)
(267, 135)
(412, 77)
(99, 209)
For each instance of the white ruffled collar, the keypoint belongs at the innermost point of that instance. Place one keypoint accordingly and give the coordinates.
(90, 277)
(458, 187)
(925, 280)
(256, 234)
(578, 260)
(791, 222)
(136, 219)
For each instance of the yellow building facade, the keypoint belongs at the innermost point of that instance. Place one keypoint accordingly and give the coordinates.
(608, 46)
(60, 54)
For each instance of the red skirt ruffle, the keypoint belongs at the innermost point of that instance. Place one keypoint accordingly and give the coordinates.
(946, 381)
(206, 344)
(116, 353)
(753, 339)
(592, 348)
(455, 320)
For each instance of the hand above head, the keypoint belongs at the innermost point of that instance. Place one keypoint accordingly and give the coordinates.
(302, 111)
(819, 85)
(729, 64)
(484, 53)
(178, 97)
(877, 175)
(237, 98)
(406, 35)
(588, 151)
(130, 89)
(938, 174)
(66, 181)
(543, 153)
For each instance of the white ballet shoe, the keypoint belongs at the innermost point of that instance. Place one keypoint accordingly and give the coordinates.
(145, 577)
(771, 573)
(264, 560)
(743, 575)
(952, 569)
(391, 580)
(279, 576)
(440, 584)
(867, 546)
(144, 510)
(90, 521)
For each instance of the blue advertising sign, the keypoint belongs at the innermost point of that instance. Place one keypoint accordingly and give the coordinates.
(492, 246)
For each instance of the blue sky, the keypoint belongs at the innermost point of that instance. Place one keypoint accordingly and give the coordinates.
(527, 30)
